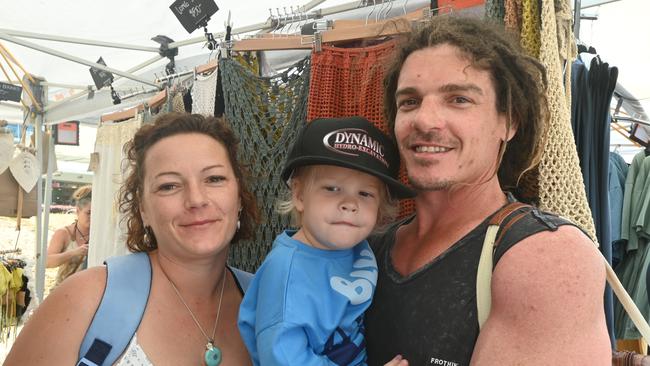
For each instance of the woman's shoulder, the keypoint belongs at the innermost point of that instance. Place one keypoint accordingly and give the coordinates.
(65, 231)
(80, 292)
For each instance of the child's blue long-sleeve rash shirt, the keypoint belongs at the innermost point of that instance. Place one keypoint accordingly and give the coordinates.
(305, 305)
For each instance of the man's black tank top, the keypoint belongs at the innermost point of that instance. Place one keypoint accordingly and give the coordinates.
(429, 317)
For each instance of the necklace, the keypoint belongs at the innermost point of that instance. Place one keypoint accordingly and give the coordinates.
(212, 356)
(84, 237)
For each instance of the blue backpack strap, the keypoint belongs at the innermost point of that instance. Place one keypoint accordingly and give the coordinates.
(128, 282)
(243, 278)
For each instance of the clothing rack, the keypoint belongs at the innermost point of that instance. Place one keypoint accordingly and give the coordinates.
(153, 102)
(11, 251)
(342, 30)
(201, 69)
(618, 117)
(209, 67)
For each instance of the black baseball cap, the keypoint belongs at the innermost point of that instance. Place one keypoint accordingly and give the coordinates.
(350, 142)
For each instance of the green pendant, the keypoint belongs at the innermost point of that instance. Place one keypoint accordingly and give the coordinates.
(212, 355)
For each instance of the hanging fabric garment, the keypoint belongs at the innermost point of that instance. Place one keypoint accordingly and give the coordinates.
(618, 170)
(204, 94)
(11, 283)
(591, 96)
(349, 82)
(635, 229)
(107, 232)
(530, 27)
(266, 113)
(557, 181)
(187, 100)
(512, 17)
(177, 102)
(495, 9)
(561, 186)
(219, 103)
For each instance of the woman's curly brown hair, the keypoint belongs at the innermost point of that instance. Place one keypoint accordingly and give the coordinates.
(520, 84)
(141, 239)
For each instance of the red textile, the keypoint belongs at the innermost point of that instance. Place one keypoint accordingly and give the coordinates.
(349, 82)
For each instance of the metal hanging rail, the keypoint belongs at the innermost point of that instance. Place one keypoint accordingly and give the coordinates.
(89, 42)
(73, 58)
(630, 119)
(271, 23)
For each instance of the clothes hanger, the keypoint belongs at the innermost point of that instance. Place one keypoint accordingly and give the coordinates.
(346, 30)
(153, 102)
(374, 5)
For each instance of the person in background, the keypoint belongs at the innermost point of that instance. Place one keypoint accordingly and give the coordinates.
(186, 201)
(468, 110)
(306, 302)
(68, 247)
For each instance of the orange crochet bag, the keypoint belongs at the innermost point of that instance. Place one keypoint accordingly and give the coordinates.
(347, 82)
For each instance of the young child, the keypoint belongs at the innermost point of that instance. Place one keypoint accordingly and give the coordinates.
(306, 303)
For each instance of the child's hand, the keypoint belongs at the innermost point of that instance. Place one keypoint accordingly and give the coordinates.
(397, 361)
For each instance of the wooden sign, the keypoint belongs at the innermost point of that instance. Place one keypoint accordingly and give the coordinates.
(10, 92)
(193, 14)
(100, 77)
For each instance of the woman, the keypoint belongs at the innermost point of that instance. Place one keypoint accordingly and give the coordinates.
(69, 245)
(186, 201)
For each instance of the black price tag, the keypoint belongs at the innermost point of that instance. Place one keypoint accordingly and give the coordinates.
(100, 77)
(193, 14)
(10, 92)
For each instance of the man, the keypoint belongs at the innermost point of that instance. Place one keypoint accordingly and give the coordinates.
(467, 109)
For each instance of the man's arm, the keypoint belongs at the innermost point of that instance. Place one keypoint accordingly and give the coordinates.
(547, 304)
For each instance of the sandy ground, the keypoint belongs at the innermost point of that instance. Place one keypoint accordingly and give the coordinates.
(25, 239)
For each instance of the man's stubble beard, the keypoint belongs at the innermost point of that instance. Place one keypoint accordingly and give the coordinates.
(429, 184)
(423, 186)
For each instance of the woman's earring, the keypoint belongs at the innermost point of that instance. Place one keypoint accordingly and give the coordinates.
(238, 224)
(147, 234)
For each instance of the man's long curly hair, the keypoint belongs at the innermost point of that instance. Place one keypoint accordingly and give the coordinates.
(519, 80)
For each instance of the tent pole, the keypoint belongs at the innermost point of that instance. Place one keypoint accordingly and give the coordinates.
(13, 59)
(577, 9)
(74, 58)
(25, 88)
(41, 247)
(10, 105)
(310, 5)
(68, 86)
(58, 103)
(89, 42)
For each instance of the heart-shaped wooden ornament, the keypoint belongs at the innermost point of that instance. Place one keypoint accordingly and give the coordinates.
(25, 169)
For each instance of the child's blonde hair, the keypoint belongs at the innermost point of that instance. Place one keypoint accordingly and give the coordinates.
(303, 178)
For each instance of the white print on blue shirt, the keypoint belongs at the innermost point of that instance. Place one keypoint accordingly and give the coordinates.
(358, 290)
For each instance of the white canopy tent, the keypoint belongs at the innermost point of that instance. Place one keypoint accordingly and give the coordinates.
(121, 32)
